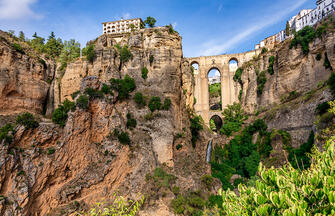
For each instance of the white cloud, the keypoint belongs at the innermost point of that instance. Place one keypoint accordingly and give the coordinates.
(17, 9)
(220, 46)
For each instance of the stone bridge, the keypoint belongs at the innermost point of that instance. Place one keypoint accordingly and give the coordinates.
(229, 89)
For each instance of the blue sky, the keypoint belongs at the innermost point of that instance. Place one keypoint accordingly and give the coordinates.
(208, 27)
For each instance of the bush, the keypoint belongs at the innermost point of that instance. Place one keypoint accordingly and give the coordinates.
(131, 123)
(166, 104)
(177, 204)
(261, 80)
(288, 191)
(207, 180)
(151, 59)
(331, 83)
(139, 99)
(179, 146)
(230, 127)
(125, 54)
(170, 29)
(264, 50)
(196, 127)
(303, 37)
(154, 104)
(51, 151)
(82, 102)
(238, 76)
(75, 94)
(123, 87)
(59, 116)
(92, 93)
(4, 134)
(145, 73)
(215, 90)
(150, 21)
(90, 53)
(123, 138)
(18, 48)
(106, 89)
(322, 108)
(271, 63)
(27, 120)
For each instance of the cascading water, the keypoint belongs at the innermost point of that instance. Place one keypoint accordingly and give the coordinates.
(209, 151)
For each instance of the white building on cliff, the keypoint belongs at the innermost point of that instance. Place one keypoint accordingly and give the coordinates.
(121, 26)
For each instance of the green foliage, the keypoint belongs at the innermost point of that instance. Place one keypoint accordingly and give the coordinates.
(303, 38)
(37, 43)
(51, 151)
(21, 36)
(179, 146)
(125, 54)
(119, 206)
(271, 63)
(331, 83)
(261, 80)
(191, 204)
(70, 51)
(321, 30)
(327, 63)
(264, 50)
(166, 104)
(5, 135)
(215, 90)
(151, 59)
(93, 93)
(75, 94)
(145, 73)
(288, 29)
(207, 181)
(291, 96)
(139, 99)
(229, 127)
(89, 52)
(53, 46)
(123, 87)
(322, 108)
(234, 116)
(150, 21)
(27, 120)
(18, 48)
(212, 125)
(122, 136)
(82, 102)
(131, 123)
(238, 76)
(106, 89)
(59, 116)
(154, 104)
(196, 127)
(288, 191)
(318, 57)
(299, 157)
(170, 29)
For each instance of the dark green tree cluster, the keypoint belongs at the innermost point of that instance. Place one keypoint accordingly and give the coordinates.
(93, 93)
(139, 99)
(171, 29)
(82, 102)
(215, 90)
(303, 38)
(125, 54)
(156, 104)
(5, 134)
(89, 52)
(18, 48)
(150, 21)
(123, 86)
(298, 157)
(131, 122)
(234, 116)
(145, 73)
(196, 127)
(60, 115)
(122, 136)
(271, 63)
(261, 80)
(238, 75)
(27, 120)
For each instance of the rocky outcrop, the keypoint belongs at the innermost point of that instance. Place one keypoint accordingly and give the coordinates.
(24, 78)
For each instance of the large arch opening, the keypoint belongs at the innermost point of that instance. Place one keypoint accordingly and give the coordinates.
(214, 88)
(233, 65)
(195, 67)
(215, 123)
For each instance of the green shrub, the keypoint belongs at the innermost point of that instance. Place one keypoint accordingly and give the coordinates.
(151, 59)
(322, 108)
(75, 94)
(123, 138)
(170, 29)
(331, 83)
(51, 151)
(207, 181)
(321, 30)
(179, 146)
(155, 104)
(175, 190)
(238, 76)
(288, 191)
(131, 123)
(230, 127)
(92, 93)
(298, 157)
(123, 87)
(177, 204)
(139, 99)
(18, 48)
(326, 117)
(261, 80)
(318, 57)
(27, 120)
(271, 63)
(4, 134)
(166, 104)
(59, 116)
(125, 54)
(82, 102)
(264, 50)
(106, 89)
(303, 38)
(90, 53)
(215, 90)
(145, 73)
(196, 127)
(327, 63)
(150, 21)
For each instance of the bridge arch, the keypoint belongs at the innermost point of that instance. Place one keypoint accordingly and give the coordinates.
(233, 64)
(195, 65)
(214, 88)
(215, 123)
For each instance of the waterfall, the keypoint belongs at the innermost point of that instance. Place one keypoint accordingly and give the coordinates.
(209, 151)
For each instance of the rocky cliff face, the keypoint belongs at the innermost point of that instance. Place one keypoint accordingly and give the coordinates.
(57, 171)
(24, 78)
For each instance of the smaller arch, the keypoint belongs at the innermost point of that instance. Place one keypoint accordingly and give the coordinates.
(195, 65)
(215, 123)
(233, 64)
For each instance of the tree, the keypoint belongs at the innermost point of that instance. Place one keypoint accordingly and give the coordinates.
(21, 36)
(288, 29)
(53, 47)
(150, 21)
(70, 51)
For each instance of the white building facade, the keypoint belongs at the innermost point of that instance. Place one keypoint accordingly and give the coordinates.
(121, 26)
(306, 17)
